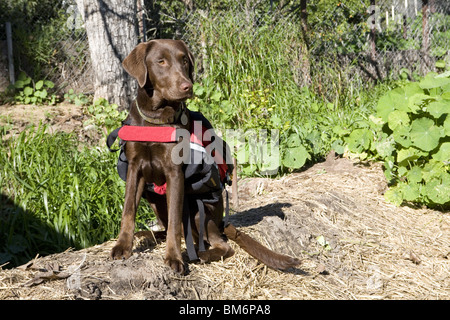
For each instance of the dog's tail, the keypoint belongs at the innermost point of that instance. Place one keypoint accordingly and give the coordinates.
(259, 252)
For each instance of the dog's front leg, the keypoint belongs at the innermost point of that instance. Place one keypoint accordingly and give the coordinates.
(175, 198)
(133, 192)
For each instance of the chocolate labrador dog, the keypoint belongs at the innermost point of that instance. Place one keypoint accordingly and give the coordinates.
(164, 71)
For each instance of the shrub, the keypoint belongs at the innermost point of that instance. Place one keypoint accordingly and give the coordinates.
(411, 134)
(27, 91)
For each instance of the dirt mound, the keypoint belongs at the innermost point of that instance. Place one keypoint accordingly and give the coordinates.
(353, 245)
(63, 117)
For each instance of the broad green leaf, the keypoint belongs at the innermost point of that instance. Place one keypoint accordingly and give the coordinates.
(22, 76)
(385, 106)
(402, 170)
(402, 136)
(375, 121)
(393, 100)
(338, 146)
(440, 64)
(270, 165)
(394, 195)
(385, 146)
(49, 84)
(431, 81)
(44, 94)
(447, 126)
(445, 74)
(414, 96)
(19, 84)
(295, 157)
(416, 100)
(409, 154)
(432, 170)
(28, 91)
(398, 118)
(411, 191)
(340, 131)
(414, 175)
(293, 141)
(444, 153)
(412, 89)
(438, 191)
(359, 140)
(438, 108)
(39, 84)
(424, 134)
(249, 169)
(216, 96)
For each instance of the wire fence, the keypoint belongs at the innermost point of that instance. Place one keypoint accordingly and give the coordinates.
(356, 42)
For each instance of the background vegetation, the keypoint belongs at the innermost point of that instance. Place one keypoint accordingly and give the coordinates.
(256, 69)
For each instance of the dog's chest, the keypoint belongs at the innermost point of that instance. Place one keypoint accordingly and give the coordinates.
(154, 159)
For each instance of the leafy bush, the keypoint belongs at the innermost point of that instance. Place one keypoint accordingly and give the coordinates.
(62, 194)
(412, 136)
(26, 91)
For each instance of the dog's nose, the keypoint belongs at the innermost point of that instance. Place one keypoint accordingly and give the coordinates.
(186, 86)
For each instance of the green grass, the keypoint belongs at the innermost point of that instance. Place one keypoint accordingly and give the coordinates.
(57, 193)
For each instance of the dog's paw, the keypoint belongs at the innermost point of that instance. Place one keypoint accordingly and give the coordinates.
(177, 265)
(121, 251)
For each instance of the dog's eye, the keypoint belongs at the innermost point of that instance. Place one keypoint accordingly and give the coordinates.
(161, 62)
(185, 61)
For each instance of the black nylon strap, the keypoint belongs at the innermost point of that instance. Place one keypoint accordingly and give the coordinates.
(188, 232)
(111, 138)
(201, 210)
(227, 208)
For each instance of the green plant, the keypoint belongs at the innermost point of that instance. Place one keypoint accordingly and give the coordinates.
(78, 99)
(104, 115)
(57, 193)
(26, 91)
(411, 134)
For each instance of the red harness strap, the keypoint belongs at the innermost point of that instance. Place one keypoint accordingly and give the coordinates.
(150, 134)
(165, 134)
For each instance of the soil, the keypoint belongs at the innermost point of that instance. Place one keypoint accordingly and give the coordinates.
(332, 216)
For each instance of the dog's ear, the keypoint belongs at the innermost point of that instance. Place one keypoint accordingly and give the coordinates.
(135, 64)
(191, 61)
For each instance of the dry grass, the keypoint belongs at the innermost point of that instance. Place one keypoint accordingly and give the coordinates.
(375, 250)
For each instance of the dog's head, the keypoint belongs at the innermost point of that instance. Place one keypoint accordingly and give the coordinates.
(167, 66)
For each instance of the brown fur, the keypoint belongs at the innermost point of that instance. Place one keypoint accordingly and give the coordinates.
(163, 69)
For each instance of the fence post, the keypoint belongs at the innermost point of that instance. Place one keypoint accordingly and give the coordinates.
(405, 24)
(9, 44)
(306, 66)
(372, 31)
(425, 38)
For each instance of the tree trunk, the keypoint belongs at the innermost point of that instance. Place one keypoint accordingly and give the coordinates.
(111, 27)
